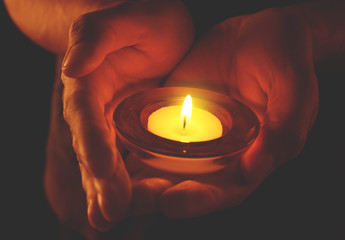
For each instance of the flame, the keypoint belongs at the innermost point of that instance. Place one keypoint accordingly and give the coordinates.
(186, 113)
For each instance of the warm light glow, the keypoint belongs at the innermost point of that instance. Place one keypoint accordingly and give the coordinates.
(186, 112)
(174, 122)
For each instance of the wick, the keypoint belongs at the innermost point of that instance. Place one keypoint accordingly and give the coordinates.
(184, 122)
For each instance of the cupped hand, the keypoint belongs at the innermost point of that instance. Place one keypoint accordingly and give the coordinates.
(264, 60)
(112, 53)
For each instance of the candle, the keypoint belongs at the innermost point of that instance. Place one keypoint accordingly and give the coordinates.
(185, 123)
(185, 130)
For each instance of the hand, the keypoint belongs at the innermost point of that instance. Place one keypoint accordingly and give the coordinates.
(264, 60)
(113, 53)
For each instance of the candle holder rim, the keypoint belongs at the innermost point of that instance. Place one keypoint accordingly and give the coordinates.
(181, 149)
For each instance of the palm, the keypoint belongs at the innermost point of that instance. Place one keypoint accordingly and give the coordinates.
(254, 59)
(113, 53)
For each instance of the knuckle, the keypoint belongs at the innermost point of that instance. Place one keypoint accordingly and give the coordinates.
(80, 24)
(84, 27)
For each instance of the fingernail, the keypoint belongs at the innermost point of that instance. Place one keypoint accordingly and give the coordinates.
(95, 217)
(67, 59)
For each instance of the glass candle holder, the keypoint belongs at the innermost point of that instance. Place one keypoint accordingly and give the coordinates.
(240, 128)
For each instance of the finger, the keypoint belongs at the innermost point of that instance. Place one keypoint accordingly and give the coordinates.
(91, 141)
(146, 194)
(108, 199)
(191, 199)
(93, 137)
(114, 194)
(133, 164)
(95, 216)
(146, 39)
(94, 35)
(148, 184)
(94, 144)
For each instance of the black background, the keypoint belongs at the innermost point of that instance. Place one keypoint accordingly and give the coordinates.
(303, 199)
(26, 81)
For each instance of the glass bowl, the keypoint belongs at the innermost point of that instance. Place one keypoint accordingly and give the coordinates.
(240, 128)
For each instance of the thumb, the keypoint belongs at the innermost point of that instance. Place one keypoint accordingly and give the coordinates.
(96, 34)
(89, 42)
(290, 114)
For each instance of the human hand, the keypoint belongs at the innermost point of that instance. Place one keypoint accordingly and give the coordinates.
(264, 60)
(113, 53)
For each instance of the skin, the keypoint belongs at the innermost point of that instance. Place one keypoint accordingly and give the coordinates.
(49, 26)
(129, 47)
(253, 58)
(275, 78)
(126, 46)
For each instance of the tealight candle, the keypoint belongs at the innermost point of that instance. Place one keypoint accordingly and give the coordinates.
(199, 137)
(185, 123)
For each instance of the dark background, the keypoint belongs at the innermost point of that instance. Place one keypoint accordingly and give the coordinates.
(26, 73)
(303, 199)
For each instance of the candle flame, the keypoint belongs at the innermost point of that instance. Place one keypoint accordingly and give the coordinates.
(186, 112)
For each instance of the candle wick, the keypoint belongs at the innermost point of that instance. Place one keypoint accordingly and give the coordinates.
(184, 122)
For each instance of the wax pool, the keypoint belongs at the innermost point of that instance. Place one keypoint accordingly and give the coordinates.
(202, 125)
